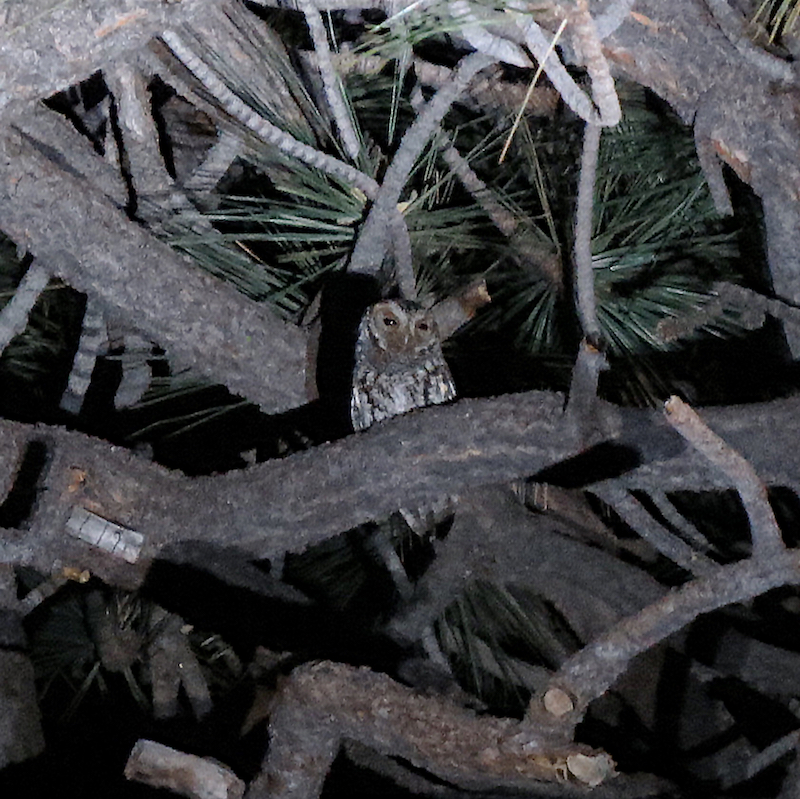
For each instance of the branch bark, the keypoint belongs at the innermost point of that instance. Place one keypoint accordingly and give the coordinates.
(591, 672)
(46, 46)
(323, 704)
(290, 504)
(203, 323)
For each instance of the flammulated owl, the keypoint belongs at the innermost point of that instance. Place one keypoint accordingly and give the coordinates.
(399, 366)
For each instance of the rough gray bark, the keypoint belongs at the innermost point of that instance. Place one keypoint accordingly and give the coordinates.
(682, 53)
(47, 45)
(289, 504)
(21, 735)
(95, 248)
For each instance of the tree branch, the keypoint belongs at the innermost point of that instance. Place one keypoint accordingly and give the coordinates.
(290, 504)
(745, 113)
(633, 513)
(764, 528)
(14, 316)
(322, 704)
(584, 271)
(591, 672)
(47, 46)
(370, 248)
(201, 322)
(330, 80)
(264, 129)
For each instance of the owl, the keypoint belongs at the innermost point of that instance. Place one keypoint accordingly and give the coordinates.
(399, 364)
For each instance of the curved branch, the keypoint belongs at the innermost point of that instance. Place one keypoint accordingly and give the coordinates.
(260, 126)
(371, 245)
(764, 528)
(592, 671)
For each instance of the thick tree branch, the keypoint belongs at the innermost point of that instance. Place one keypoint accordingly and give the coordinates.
(323, 704)
(201, 322)
(46, 46)
(282, 505)
(289, 504)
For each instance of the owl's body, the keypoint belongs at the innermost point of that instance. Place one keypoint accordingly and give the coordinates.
(399, 364)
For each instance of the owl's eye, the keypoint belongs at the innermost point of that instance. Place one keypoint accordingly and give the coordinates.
(422, 325)
(389, 321)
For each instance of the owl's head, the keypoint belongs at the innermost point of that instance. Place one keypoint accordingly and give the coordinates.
(400, 327)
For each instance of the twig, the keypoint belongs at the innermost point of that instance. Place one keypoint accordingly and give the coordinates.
(747, 769)
(371, 245)
(603, 91)
(572, 94)
(92, 344)
(584, 273)
(590, 673)
(260, 126)
(474, 31)
(678, 520)
(518, 230)
(753, 306)
(482, 93)
(635, 514)
(607, 101)
(764, 528)
(403, 257)
(330, 80)
(791, 782)
(457, 309)
(531, 86)
(14, 316)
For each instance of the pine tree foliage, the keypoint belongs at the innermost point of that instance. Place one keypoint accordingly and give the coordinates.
(779, 16)
(278, 227)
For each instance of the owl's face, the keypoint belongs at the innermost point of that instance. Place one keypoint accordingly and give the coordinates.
(399, 364)
(400, 328)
